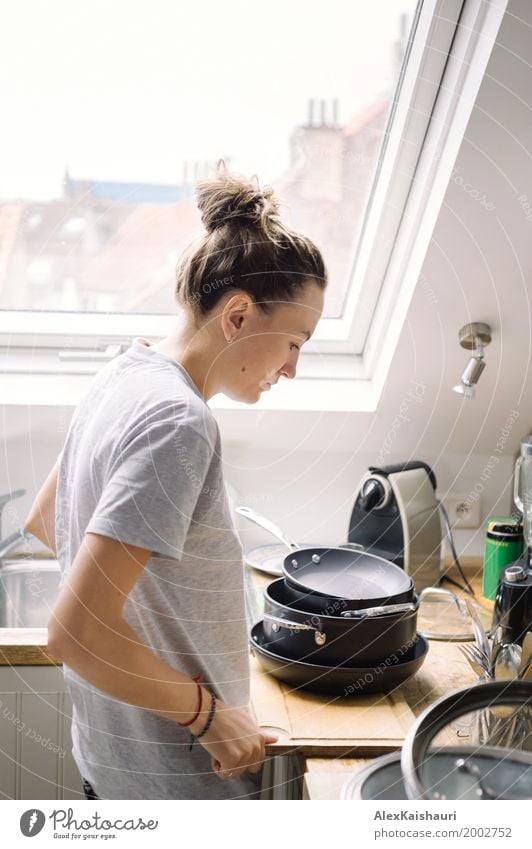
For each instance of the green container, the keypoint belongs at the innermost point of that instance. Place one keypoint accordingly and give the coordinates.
(504, 545)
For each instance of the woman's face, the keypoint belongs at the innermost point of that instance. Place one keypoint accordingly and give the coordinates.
(265, 347)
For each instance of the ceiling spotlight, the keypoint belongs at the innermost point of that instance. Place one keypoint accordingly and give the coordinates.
(474, 337)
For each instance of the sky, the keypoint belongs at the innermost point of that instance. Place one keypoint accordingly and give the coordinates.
(128, 91)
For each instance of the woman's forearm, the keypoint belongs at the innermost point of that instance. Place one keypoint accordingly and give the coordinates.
(45, 532)
(114, 659)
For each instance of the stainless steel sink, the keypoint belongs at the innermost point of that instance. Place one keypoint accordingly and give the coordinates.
(28, 590)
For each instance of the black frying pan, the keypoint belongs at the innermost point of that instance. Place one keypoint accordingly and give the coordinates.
(332, 606)
(321, 577)
(359, 578)
(344, 679)
(363, 636)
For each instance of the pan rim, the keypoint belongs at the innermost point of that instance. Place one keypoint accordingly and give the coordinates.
(300, 586)
(420, 639)
(344, 619)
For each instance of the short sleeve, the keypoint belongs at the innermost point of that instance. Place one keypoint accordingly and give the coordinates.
(153, 486)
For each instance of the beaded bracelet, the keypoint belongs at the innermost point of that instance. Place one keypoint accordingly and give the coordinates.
(200, 702)
(212, 712)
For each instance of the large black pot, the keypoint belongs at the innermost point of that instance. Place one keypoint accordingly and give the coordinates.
(347, 679)
(330, 580)
(300, 634)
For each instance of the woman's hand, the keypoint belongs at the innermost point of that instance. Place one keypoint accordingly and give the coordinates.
(234, 740)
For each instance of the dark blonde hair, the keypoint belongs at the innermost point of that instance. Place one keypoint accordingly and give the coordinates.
(246, 247)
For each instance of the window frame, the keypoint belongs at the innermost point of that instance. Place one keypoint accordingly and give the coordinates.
(441, 74)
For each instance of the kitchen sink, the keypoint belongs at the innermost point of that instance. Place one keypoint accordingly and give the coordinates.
(28, 590)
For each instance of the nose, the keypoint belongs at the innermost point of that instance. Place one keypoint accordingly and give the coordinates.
(289, 368)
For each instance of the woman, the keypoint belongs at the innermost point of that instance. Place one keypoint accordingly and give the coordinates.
(150, 620)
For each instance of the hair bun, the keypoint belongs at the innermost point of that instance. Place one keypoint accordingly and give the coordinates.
(227, 200)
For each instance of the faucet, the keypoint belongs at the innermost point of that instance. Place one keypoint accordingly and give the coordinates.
(14, 539)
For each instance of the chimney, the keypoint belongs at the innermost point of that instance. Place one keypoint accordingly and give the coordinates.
(310, 112)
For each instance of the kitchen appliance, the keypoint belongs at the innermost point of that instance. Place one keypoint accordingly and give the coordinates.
(365, 636)
(343, 679)
(513, 602)
(396, 516)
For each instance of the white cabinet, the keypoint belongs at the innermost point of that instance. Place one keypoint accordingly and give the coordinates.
(35, 744)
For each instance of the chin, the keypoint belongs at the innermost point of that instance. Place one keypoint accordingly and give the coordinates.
(250, 397)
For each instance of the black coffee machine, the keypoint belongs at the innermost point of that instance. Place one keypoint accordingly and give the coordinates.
(513, 602)
(396, 516)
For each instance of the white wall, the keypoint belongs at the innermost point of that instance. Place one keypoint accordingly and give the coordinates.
(301, 469)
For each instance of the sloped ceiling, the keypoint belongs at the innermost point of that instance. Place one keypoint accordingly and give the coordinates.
(478, 268)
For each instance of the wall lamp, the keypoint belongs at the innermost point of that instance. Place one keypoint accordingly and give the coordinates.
(474, 337)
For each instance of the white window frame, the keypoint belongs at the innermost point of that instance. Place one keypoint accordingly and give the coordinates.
(345, 365)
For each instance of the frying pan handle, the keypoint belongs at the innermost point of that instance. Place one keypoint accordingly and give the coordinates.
(319, 637)
(373, 612)
(268, 526)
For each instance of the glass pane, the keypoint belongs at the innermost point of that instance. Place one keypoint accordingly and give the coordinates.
(113, 111)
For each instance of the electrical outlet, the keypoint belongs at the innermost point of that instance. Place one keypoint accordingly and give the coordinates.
(463, 511)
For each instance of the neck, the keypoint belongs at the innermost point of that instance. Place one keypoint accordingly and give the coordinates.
(191, 346)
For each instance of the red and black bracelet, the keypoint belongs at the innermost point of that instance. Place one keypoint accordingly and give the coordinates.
(210, 718)
(197, 678)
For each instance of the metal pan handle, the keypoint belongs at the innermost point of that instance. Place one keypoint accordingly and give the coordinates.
(319, 637)
(374, 612)
(268, 526)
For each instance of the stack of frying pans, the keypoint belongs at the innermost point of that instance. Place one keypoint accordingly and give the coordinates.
(339, 620)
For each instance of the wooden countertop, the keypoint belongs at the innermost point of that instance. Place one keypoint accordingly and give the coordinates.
(25, 647)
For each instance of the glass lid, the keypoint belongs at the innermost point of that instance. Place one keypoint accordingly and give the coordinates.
(444, 616)
(475, 743)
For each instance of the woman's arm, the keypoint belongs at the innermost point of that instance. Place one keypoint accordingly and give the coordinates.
(88, 632)
(41, 518)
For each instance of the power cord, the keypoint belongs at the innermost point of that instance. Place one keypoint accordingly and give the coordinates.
(449, 534)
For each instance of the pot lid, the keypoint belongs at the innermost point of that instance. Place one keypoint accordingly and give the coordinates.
(494, 761)
(380, 779)
(444, 616)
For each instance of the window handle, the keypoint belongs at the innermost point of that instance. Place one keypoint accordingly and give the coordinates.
(110, 353)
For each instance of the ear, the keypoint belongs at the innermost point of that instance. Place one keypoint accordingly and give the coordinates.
(233, 315)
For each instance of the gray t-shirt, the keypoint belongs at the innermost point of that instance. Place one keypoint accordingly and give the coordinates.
(141, 463)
